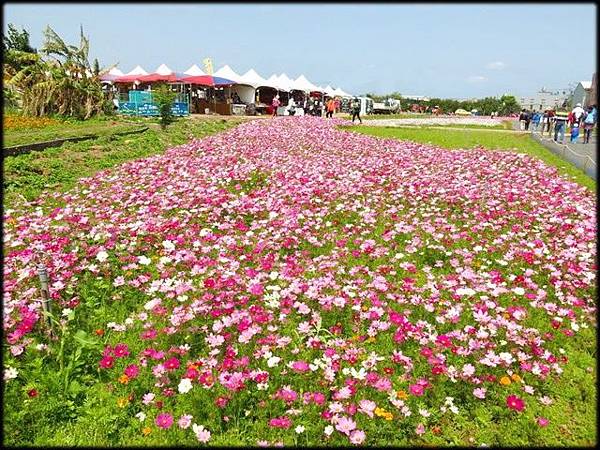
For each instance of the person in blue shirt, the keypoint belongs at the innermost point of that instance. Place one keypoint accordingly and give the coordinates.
(588, 124)
(537, 116)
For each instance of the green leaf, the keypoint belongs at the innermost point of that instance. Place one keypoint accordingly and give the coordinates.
(85, 340)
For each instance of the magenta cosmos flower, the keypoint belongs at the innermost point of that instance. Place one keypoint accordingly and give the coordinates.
(514, 402)
(164, 420)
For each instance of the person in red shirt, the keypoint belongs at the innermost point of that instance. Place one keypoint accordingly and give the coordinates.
(275, 104)
(330, 108)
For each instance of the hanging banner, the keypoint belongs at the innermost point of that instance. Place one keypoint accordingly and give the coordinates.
(208, 68)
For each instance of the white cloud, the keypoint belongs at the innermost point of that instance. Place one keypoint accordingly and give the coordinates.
(476, 79)
(496, 65)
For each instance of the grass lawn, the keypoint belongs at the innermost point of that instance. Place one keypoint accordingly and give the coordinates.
(521, 143)
(59, 168)
(65, 129)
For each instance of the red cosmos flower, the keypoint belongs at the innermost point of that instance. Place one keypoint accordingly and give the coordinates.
(32, 393)
(107, 362)
(514, 402)
(171, 364)
(132, 371)
(221, 402)
(121, 350)
(209, 283)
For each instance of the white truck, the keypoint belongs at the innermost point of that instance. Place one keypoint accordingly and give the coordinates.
(389, 106)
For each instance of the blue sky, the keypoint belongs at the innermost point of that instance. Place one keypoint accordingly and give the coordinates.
(461, 51)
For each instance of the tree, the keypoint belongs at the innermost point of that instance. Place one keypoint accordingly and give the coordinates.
(164, 98)
(96, 68)
(62, 82)
(17, 40)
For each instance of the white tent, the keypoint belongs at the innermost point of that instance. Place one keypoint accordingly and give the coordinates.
(227, 72)
(138, 70)
(345, 94)
(194, 71)
(244, 90)
(340, 93)
(286, 82)
(163, 70)
(329, 91)
(115, 72)
(304, 85)
(274, 82)
(251, 78)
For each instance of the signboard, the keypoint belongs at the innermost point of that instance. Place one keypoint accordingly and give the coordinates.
(208, 68)
(180, 109)
(150, 109)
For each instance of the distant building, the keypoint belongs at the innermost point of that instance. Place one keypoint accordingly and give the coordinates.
(581, 93)
(545, 99)
(416, 97)
(592, 98)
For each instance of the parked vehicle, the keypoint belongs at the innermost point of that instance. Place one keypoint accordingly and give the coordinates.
(389, 106)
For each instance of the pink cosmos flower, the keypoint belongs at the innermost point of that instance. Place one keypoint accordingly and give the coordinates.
(345, 425)
(416, 389)
(256, 289)
(367, 407)
(479, 392)
(300, 366)
(420, 430)
(107, 362)
(280, 422)
(185, 421)
(542, 421)
(148, 398)
(514, 402)
(164, 420)
(357, 437)
(319, 398)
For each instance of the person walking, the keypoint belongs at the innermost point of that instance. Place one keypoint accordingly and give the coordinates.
(330, 108)
(588, 124)
(527, 119)
(537, 117)
(355, 107)
(560, 122)
(275, 104)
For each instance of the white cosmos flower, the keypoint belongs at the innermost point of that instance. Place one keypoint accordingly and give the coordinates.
(299, 429)
(144, 260)
(273, 361)
(102, 256)
(185, 385)
(10, 373)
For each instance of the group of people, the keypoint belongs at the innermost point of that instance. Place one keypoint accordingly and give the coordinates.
(556, 122)
(312, 107)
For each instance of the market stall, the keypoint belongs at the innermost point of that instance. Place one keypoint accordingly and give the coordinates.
(240, 94)
(209, 95)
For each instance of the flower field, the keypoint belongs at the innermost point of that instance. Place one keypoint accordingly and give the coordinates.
(288, 282)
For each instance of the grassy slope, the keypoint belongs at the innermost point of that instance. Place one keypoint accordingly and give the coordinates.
(521, 143)
(63, 130)
(59, 168)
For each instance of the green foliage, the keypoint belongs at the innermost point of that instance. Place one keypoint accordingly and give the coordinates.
(17, 40)
(164, 98)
